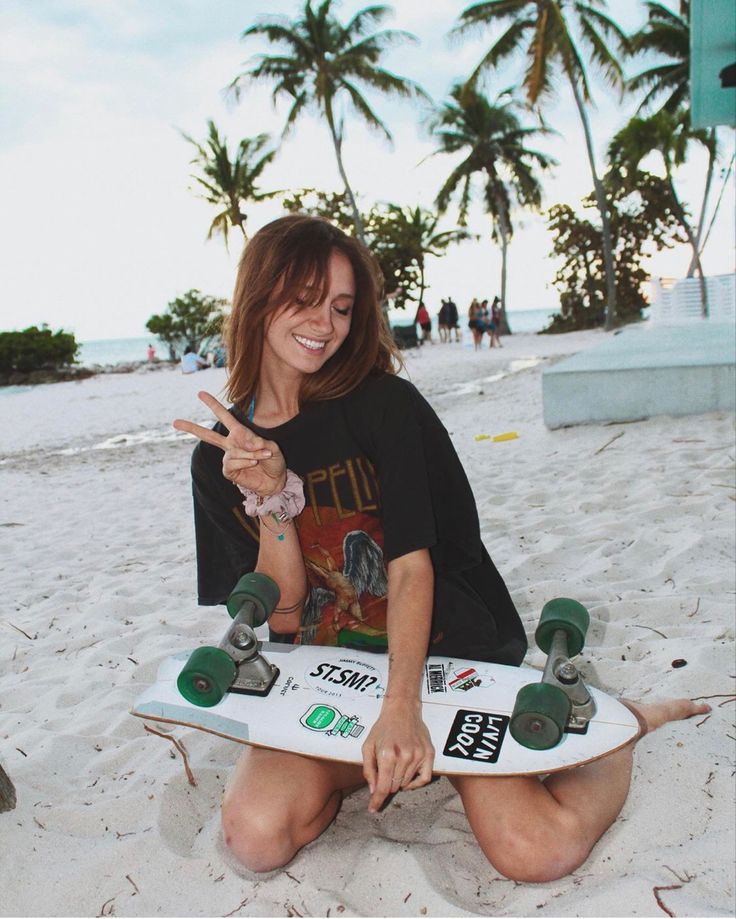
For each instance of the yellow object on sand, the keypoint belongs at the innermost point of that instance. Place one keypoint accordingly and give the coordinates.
(497, 438)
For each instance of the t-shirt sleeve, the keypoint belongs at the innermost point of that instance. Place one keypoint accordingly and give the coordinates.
(426, 501)
(397, 452)
(227, 546)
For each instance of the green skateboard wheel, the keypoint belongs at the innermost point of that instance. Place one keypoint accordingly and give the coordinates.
(259, 589)
(570, 616)
(207, 676)
(540, 715)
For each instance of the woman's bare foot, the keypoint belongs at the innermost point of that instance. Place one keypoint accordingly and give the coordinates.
(653, 715)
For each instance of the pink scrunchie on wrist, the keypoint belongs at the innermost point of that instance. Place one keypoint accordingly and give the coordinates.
(290, 500)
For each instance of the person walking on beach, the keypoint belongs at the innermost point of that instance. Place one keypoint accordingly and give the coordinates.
(475, 323)
(452, 319)
(495, 323)
(443, 326)
(424, 321)
(313, 378)
(150, 354)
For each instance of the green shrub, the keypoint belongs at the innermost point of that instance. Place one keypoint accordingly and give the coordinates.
(36, 349)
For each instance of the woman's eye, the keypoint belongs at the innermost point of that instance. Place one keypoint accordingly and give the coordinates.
(344, 311)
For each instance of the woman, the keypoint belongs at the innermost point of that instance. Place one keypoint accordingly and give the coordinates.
(424, 321)
(357, 505)
(495, 323)
(475, 322)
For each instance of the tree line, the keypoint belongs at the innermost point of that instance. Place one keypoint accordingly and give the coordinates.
(320, 63)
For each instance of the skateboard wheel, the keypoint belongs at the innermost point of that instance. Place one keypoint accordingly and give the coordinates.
(259, 589)
(540, 715)
(206, 676)
(570, 616)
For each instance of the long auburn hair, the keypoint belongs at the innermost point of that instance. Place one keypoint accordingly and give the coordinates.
(283, 259)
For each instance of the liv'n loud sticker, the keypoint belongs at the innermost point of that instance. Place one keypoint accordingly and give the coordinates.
(476, 736)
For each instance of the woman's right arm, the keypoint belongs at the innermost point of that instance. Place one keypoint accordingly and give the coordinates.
(282, 560)
(253, 463)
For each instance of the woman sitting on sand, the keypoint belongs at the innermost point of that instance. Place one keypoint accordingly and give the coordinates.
(327, 447)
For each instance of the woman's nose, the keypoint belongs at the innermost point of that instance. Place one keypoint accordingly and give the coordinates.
(321, 316)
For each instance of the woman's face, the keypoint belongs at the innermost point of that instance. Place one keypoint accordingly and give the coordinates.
(304, 339)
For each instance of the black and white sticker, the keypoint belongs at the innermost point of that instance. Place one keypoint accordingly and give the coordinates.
(476, 736)
(436, 681)
(346, 677)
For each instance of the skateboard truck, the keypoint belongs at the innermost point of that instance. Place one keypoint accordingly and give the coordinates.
(237, 665)
(560, 703)
(560, 671)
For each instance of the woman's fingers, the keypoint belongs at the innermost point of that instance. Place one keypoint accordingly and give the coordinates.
(222, 414)
(206, 434)
(423, 776)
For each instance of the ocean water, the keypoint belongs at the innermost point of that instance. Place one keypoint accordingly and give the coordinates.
(118, 350)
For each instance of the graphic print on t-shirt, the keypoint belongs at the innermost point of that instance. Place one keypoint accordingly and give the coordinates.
(346, 574)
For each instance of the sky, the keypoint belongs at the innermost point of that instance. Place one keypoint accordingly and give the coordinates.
(100, 225)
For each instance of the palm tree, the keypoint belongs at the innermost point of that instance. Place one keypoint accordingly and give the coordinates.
(416, 229)
(669, 135)
(322, 61)
(228, 183)
(667, 33)
(493, 141)
(547, 30)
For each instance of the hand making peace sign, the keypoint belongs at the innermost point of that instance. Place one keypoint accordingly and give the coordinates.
(249, 460)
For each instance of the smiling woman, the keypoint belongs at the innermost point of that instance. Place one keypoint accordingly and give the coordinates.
(371, 534)
(302, 263)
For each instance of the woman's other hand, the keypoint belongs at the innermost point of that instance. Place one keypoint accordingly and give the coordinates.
(398, 753)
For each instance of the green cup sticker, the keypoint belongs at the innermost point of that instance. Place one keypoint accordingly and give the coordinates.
(327, 719)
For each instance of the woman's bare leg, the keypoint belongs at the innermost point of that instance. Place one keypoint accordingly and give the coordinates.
(277, 802)
(539, 831)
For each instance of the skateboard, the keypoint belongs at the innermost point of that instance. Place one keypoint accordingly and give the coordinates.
(483, 719)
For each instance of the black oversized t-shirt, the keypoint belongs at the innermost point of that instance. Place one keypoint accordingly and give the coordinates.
(381, 479)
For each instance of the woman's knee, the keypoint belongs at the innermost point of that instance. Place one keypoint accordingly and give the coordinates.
(259, 839)
(535, 852)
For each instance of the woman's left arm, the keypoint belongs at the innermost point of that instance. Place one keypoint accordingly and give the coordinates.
(398, 752)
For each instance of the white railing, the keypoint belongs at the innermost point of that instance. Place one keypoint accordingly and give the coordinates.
(679, 301)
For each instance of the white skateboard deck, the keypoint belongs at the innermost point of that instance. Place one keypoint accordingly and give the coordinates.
(326, 699)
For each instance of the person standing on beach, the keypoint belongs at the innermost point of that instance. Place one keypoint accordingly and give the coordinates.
(150, 354)
(452, 319)
(373, 503)
(475, 323)
(495, 323)
(424, 321)
(443, 326)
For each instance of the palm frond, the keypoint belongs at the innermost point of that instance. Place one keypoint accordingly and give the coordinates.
(506, 46)
(367, 113)
(365, 18)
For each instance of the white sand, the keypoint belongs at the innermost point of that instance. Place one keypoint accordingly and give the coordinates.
(98, 570)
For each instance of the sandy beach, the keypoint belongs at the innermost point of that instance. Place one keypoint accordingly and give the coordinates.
(636, 521)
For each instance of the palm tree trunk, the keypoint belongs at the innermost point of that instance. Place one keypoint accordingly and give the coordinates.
(505, 328)
(702, 244)
(421, 281)
(505, 231)
(682, 217)
(337, 142)
(600, 198)
(706, 192)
